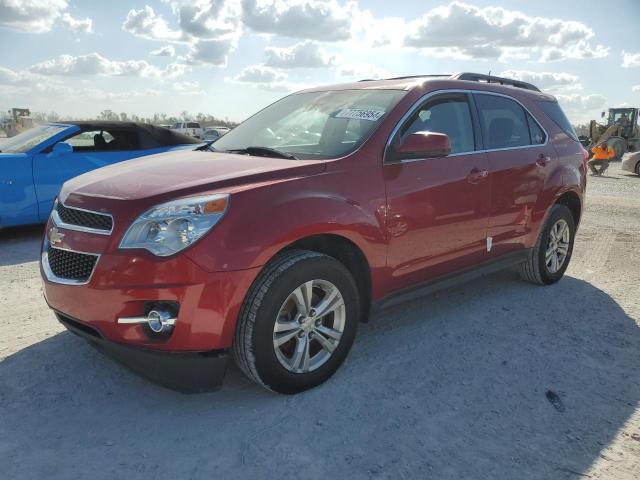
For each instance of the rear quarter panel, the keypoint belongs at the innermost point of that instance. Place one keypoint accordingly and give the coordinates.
(567, 174)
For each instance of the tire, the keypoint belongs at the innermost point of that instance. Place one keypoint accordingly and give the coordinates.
(272, 299)
(638, 168)
(535, 269)
(619, 146)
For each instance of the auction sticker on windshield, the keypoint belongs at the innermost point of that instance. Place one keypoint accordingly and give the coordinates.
(360, 114)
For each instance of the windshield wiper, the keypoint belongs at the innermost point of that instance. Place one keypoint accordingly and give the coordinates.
(206, 147)
(264, 151)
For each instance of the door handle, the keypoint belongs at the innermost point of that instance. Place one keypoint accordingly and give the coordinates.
(476, 175)
(542, 160)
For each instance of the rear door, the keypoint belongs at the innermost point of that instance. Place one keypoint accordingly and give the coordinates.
(437, 208)
(519, 159)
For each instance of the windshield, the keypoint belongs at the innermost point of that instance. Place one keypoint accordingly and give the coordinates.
(314, 125)
(25, 141)
(619, 117)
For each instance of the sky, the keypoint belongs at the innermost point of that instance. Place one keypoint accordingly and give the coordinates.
(230, 58)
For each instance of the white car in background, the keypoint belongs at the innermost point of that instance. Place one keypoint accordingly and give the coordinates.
(214, 133)
(631, 163)
(192, 129)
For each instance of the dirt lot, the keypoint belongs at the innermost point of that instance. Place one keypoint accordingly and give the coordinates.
(448, 387)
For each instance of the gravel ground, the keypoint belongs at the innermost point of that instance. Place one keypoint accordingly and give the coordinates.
(494, 379)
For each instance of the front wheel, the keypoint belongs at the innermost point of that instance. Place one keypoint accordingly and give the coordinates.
(550, 257)
(297, 323)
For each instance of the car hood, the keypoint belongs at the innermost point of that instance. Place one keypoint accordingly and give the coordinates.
(181, 173)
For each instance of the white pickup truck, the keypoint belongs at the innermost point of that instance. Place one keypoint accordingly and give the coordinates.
(192, 129)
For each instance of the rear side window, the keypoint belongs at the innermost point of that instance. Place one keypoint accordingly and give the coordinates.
(504, 123)
(535, 132)
(450, 115)
(555, 113)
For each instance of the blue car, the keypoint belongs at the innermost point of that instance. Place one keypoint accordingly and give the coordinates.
(35, 163)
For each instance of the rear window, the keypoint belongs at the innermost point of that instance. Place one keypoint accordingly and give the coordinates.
(555, 113)
(193, 125)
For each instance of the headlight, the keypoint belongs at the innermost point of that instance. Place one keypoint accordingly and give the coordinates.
(173, 226)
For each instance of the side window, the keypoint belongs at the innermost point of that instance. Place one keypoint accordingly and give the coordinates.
(448, 114)
(92, 141)
(503, 121)
(535, 132)
(103, 141)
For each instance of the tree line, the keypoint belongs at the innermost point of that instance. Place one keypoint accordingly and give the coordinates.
(204, 119)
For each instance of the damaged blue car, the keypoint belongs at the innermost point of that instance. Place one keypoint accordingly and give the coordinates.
(35, 163)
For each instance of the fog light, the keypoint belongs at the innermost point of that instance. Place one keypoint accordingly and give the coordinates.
(160, 320)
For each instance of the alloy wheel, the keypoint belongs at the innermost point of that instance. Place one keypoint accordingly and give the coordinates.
(309, 326)
(558, 246)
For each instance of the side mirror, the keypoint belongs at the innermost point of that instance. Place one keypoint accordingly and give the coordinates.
(62, 148)
(423, 145)
(602, 114)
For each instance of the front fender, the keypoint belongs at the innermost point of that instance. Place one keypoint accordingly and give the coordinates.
(262, 221)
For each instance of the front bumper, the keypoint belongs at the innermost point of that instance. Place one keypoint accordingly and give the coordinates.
(187, 372)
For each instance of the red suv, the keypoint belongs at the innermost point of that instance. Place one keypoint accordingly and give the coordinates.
(274, 242)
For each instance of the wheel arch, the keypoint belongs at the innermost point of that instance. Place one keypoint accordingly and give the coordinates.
(572, 201)
(346, 252)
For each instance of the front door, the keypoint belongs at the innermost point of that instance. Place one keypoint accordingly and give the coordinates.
(437, 208)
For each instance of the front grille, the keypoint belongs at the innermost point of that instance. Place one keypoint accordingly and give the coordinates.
(69, 265)
(73, 216)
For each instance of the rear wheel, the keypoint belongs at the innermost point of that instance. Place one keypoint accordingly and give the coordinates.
(298, 322)
(550, 257)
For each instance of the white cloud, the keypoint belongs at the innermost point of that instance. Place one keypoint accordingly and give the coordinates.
(581, 102)
(39, 16)
(260, 74)
(327, 21)
(552, 81)
(8, 76)
(187, 88)
(630, 60)
(306, 54)
(488, 32)
(96, 64)
(85, 25)
(166, 51)
(145, 23)
(581, 108)
(210, 52)
(209, 19)
(265, 78)
(361, 71)
(635, 88)
(211, 29)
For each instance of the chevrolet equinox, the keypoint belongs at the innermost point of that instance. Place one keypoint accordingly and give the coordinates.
(272, 243)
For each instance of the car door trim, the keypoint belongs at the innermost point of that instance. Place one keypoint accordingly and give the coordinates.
(433, 93)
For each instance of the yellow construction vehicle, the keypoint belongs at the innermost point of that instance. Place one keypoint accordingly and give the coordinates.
(18, 121)
(621, 131)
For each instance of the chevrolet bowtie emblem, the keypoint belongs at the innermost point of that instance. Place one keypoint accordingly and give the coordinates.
(55, 236)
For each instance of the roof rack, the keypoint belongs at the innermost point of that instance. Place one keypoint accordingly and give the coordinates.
(479, 77)
(471, 77)
(407, 77)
